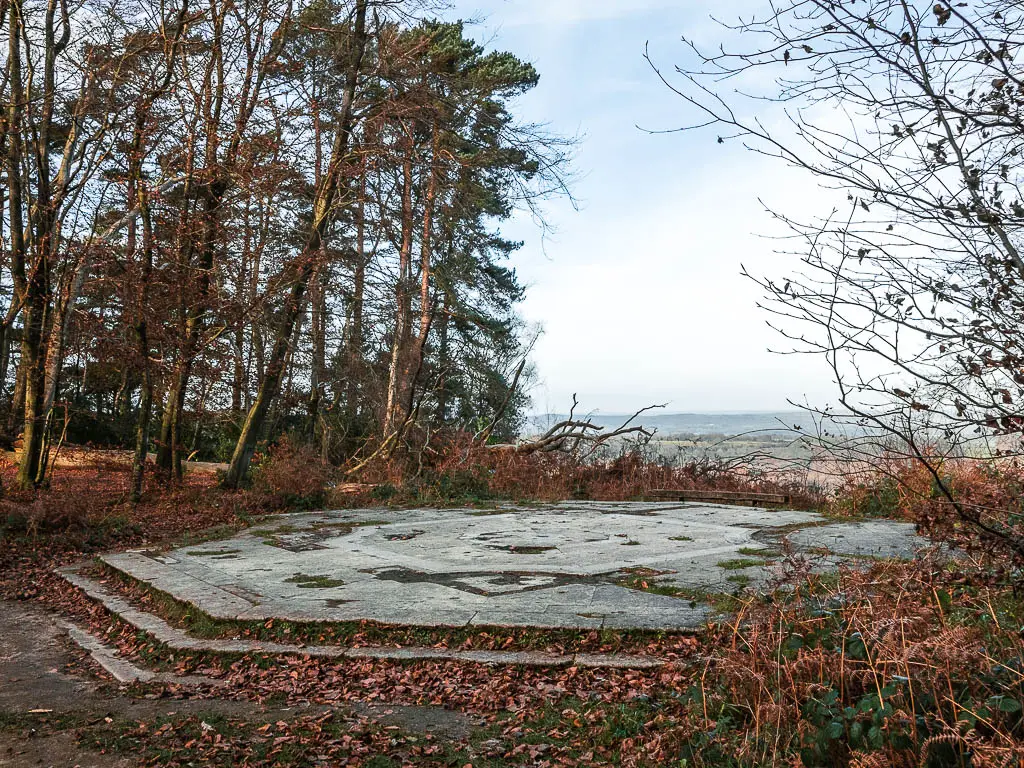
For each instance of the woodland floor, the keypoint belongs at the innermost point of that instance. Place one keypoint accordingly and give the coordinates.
(56, 707)
(59, 708)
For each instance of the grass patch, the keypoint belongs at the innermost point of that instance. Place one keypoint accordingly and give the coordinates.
(342, 526)
(39, 721)
(527, 550)
(680, 538)
(759, 551)
(643, 582)
(738, 564)
(305, 581)
(213, 552)
(216, 533)
(279, 530)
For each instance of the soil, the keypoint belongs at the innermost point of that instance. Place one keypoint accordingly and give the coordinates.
(51, 692)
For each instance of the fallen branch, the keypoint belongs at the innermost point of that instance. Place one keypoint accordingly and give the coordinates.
(570, 434)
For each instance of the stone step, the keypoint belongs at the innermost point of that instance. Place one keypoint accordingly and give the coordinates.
(177, 640)
(124, 670)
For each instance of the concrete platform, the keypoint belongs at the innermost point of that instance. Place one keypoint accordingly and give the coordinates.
(547, 566)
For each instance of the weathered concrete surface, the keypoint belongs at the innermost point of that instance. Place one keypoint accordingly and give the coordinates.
(121, 669)
(873, 538)
(546, 566)
(177, 640)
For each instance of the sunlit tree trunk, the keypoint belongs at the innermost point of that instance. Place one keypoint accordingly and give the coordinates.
(323, 212)
(394, 407)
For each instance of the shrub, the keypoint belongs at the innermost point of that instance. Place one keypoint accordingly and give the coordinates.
(78, 520)
(452, 467)
(467, 484)
(904, 665)
(291, 476)
(974, 503)
(48, 514)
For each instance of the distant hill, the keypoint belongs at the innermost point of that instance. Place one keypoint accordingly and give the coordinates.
(690, 423)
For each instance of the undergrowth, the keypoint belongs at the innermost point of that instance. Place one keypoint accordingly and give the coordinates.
(455, 470)
(889, 663)
(915, 664)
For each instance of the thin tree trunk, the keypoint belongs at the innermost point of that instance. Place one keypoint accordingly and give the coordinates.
(322, 216)
(238, 371)
(45, 224)
(16, 416)
(355, 335)
(443, 354)
(5, 358)
(426, 265)
(15, 197)
(238, 337)
(142, 427)
(394, 406)
(318, 336)
(293, 345)
(142, 342)
(163, 451)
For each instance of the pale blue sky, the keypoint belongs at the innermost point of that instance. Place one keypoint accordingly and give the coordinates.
(639, 292)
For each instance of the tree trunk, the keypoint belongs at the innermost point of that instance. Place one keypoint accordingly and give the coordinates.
(238, 370)
(318, 337)
(15, 197)
(354, 357)
(426, 265)
(163, 451)
(142, 342)
(32, 361)
(45, 225)
(16, 415)
(322, 215)
(443, 354)
(394, 407)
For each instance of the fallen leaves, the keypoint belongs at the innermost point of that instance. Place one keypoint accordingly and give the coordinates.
(546, 717)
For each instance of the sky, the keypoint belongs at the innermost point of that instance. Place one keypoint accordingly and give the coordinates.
(639, 292)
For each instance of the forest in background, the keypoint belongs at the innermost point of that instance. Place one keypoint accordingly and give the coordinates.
(234, 222)
(226, 222)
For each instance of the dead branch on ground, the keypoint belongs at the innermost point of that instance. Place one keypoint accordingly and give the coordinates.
(572, 433)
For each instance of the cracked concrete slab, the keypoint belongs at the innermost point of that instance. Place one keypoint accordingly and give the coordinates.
(870, 538)
(557, 565)
(177, 640)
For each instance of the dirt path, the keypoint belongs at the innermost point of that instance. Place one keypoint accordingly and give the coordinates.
(47, 698)
(77, 456)
(42, 703)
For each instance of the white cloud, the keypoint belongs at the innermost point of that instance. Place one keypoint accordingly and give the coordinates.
(643, 301)
(640, 293)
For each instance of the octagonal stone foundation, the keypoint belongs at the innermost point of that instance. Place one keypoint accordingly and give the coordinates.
(550, 566)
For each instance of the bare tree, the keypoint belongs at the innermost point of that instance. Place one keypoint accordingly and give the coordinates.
(911, 289)
(325, 206)
(65, 71)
